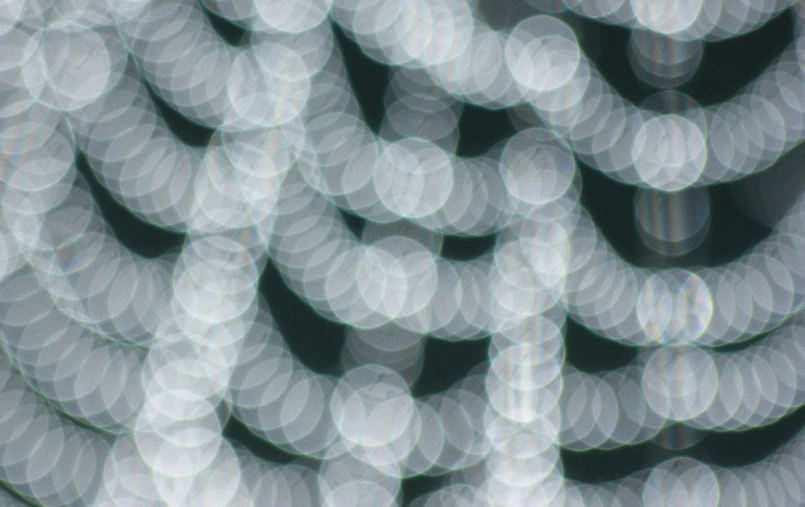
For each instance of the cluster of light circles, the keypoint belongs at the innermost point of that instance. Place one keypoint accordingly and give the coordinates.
(156, 354)
(572, 98)
(42, 455)
(704, 389)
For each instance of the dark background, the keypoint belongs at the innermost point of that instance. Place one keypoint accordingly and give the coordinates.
(726, 67)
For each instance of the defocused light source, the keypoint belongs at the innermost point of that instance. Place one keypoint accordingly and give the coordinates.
(118, 373)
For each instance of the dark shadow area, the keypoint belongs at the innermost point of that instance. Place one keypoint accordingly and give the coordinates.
(480, 128)
(368, 78)
(232, 34)
(611, 206)
(593, 353)
(414, 487)
(465, 248)
(185, 129)
(316, 341)
(139, 236)
(236, 431)
(738, 448)
(607, 47)
(732, 232)
(721, 74)
(354, 223)
(447, 362)
(598, 465)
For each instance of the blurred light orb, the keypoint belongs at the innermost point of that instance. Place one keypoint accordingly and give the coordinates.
(674, 306)
(664, 61)
(542, 53)
(669, 152)
(667, 16)
(672, 223)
